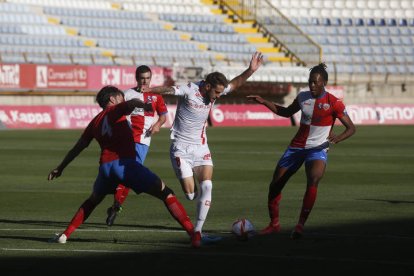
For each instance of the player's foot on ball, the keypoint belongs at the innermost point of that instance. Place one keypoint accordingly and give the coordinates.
(297, 233)
(112, 212)
(196, 240)
(270, 229)
(58, 238)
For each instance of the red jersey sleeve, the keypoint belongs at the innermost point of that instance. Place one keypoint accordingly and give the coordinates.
(160, 107)
(339, 109)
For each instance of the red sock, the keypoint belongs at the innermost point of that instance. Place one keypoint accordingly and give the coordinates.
(178, 212)
(81, 215)
(273, 206)
(121, 193)
(308, 202)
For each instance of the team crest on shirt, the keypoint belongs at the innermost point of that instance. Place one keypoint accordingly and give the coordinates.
(324, 106)
(151, 99)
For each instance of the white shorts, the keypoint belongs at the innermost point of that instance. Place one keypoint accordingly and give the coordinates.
(184, 157)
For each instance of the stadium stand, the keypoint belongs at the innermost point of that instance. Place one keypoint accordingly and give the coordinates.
(127, 33)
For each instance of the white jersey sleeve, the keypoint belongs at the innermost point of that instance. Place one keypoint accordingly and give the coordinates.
(183, 90)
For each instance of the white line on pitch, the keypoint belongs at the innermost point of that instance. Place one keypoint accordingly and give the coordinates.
(310, 234)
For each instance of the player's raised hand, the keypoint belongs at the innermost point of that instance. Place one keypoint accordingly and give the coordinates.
(54, 174)
(256, 61)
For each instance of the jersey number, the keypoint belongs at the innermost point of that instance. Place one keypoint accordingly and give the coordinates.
(106, 128)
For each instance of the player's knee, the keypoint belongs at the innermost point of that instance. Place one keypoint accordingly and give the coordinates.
(166, 192)
(206, 186)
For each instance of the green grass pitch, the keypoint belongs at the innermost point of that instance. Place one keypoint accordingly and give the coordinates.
(362, 222)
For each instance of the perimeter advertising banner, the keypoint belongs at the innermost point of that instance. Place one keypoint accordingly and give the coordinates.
(78, 116)
(10, 76)
(55, 117)
(245, 115)
(381, 114)
(123, 77)
(74, 77)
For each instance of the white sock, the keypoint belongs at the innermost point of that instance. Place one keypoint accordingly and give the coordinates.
(191, 196)
(203, 204)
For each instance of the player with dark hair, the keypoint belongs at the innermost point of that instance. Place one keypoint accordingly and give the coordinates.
(144, 125)
(189, 152)
(118, 163)
(310, 144)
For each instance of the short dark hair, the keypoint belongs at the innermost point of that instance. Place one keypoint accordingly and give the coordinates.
(142, 69)
(103, 96)
(217, 78)
(320, 69)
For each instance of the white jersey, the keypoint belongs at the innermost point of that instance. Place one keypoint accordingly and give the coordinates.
(192, 113)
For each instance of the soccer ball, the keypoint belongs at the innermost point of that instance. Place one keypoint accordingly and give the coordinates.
(243, 229)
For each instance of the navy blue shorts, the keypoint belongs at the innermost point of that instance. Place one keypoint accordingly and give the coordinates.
(129, 172)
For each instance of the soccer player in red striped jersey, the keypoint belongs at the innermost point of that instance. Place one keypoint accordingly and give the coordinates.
(118, 163)
(144, 125)
(310, 145)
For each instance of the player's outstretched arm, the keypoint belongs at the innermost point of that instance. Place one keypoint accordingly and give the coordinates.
(132, 103)
(164, 90)
(255, 62)
(75, 151)
(270, 105)
(277, 109)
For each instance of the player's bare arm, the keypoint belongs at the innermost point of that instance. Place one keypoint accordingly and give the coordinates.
(270, 105)
(348, 132)
(255, 62)
(155, 128)
(164, 90)
(138, 103)
(277, 109)
(75, 151)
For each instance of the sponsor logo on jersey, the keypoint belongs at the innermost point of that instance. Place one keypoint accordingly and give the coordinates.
(198, 106)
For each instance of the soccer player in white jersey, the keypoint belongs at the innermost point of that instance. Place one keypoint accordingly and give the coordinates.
(189, 151)
(144, 125)
(310, 144)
